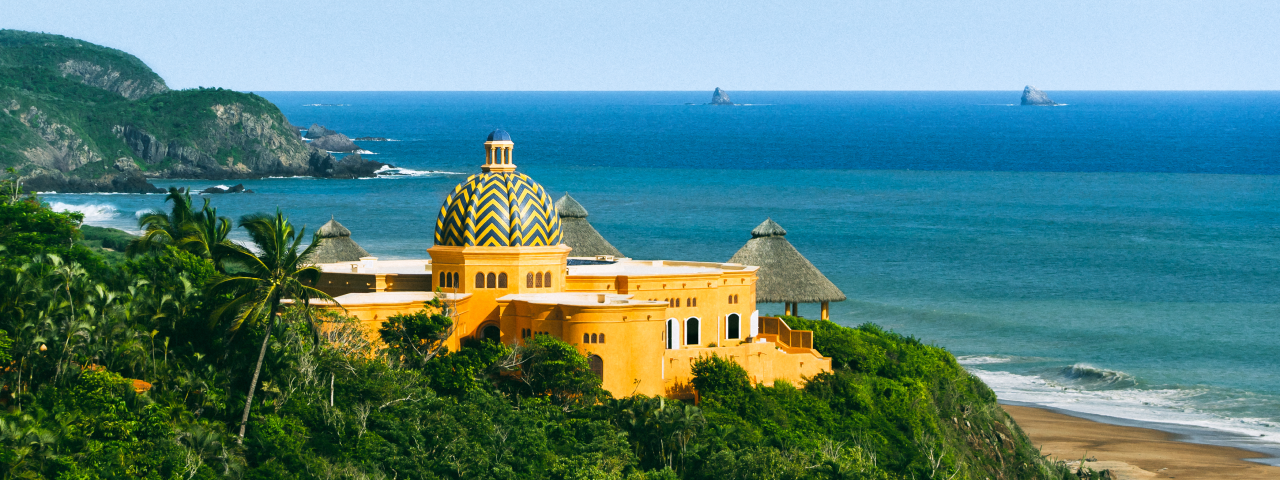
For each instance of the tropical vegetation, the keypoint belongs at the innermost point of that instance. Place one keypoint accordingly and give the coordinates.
(198, 357)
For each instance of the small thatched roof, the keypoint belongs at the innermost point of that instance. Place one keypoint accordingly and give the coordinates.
(578, 233)
(336, 245)
(784, 275)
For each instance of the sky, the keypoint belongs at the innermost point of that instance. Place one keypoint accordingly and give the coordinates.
(268, 45)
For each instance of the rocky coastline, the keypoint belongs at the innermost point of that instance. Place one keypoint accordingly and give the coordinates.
(136, 129)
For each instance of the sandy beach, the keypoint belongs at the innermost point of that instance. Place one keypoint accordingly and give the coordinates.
(1134, 453)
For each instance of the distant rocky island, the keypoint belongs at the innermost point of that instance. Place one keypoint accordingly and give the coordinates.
(1033, 97)
(371, 139)
(76, 117)
(720, 97)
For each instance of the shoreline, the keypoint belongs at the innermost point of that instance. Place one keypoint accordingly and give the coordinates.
(1135, 449)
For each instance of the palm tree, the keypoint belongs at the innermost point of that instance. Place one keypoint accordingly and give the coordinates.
(204, 230)
(159, 228)
(263, 280)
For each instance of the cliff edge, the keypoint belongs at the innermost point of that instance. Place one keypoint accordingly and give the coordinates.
(79, 117)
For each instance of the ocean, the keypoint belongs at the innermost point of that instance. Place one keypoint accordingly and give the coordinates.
(1115, 257)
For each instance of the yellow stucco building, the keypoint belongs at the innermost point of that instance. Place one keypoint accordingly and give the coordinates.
(500, 263)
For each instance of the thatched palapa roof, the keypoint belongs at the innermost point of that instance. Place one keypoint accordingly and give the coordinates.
(336, 245)
(578, 233)
(784, 275)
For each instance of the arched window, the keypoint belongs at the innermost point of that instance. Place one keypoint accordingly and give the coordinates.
(492, 281)
(734, 326)
(456, 281)
(601, 338)
(479, 280)
(547, 283)
(694, 302)
(502, 280)
(677, 302)
(538, 280)
(673, 334)
(491, 332)
(691, 331)
(597, 366)
(593, 338)
(586, 338)
(528, 280)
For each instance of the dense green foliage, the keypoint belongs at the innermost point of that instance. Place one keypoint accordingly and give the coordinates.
(144, 368)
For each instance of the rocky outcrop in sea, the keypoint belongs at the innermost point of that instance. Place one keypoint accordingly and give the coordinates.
(351, 166)
(1031, 96)
(317, 131)
(239, 188)
(720, 97)
(336, 142)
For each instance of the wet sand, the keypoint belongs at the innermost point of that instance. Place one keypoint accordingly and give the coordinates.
(1136, 453)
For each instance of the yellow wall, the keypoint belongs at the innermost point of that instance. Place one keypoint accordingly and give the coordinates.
(371, 315)
(764, 363)
(516, 262)
(633, 352)
(627, 338)
(712, 292)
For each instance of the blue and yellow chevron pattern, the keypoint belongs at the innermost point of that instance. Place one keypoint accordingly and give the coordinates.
(498, 210)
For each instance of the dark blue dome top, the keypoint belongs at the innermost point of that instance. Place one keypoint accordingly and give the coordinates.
(499, 135)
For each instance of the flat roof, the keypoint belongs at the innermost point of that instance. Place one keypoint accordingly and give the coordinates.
(640, 268)
(371, 265)
(577, 299)
(388, 298)
(593, 268)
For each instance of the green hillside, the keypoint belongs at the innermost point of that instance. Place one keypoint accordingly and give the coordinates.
(75, 116)
(136, 368)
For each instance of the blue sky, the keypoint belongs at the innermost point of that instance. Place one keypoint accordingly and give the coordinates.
(659, 45)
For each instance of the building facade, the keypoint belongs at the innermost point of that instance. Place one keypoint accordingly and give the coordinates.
(499, 263)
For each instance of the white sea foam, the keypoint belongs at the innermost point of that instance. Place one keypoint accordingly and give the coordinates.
(94, 213)
(364, 152)
(1176, 406)
(982, 359)
(388, 171)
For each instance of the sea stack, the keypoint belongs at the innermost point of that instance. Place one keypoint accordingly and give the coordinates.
(1031, 96)
(720, 97)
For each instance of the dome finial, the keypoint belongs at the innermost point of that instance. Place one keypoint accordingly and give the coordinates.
(497, 150)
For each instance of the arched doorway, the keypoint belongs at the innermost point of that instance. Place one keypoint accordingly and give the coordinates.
(692, 331)
(491, 332)
(597, 366)
(733, 327)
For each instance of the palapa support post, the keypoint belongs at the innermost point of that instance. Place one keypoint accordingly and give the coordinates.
(786, 308)
(826, 310)
(795, 309)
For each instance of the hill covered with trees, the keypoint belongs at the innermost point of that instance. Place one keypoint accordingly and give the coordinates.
(177, 360)
(79, 117)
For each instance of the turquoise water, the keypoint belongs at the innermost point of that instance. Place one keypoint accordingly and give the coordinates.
(1117, 256)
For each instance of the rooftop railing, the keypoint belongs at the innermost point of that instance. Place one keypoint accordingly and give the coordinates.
(785, 335)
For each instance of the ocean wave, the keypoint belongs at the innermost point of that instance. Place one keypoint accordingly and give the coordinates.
(1194, 407)
(94, 213)
(388, 171)
(1098, 377)
(364, 152)
(982, 359)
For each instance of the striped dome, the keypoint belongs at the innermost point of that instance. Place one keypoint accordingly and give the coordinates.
(498, 209)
